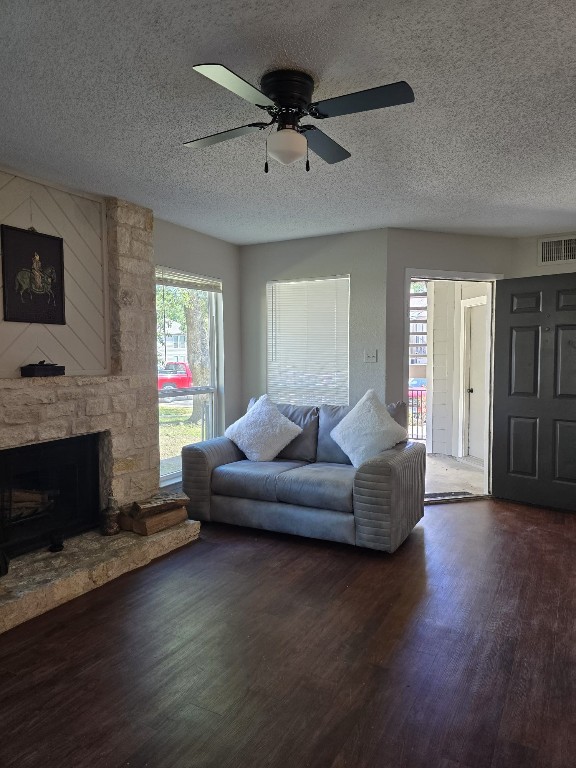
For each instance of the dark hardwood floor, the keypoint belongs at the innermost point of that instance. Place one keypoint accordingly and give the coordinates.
(249, 649)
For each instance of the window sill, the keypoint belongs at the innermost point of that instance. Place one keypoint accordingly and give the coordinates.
(175, 478)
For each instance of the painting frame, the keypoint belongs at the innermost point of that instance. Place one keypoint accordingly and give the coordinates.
(32, 276)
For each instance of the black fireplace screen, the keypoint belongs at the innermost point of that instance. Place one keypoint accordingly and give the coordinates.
(48, 492)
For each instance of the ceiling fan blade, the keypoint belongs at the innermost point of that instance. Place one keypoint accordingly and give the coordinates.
(233, 133)
(225, 77)
(324, 146)
(362, 101)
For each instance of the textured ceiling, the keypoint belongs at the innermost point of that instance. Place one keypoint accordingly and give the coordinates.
(101, 95)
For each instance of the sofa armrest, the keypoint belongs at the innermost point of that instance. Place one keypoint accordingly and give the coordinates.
(389, 496)
(198, 461)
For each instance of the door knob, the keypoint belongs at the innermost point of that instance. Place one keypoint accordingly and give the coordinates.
(470, 390)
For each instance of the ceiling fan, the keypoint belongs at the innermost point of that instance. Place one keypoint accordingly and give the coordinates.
(286, 95)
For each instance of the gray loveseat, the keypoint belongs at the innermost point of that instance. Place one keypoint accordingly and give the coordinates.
(311, 489)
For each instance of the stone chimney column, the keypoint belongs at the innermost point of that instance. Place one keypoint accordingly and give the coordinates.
(132, 296)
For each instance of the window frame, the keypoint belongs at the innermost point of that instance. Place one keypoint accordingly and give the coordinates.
(213, 286)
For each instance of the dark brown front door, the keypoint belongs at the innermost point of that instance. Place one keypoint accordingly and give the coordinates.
(534, 449)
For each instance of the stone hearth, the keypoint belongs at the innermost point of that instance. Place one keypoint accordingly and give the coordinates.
(40, 580)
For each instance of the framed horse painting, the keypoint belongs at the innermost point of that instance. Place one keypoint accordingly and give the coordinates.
(33, 276)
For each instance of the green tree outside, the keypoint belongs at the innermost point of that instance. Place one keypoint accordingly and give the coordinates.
(189, 308)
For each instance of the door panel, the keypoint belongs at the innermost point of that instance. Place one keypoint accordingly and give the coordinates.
(526, 302)
(524, 348)
(523, 441)
(566, 300)
(564, 451)
(534, 448)
(566, 361)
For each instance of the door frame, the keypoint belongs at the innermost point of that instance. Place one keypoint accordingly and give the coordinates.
(464, 375)
(420, 273)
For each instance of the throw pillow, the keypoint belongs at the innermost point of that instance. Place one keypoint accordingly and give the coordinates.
(303, 447)
(367, 430)
(262, 432)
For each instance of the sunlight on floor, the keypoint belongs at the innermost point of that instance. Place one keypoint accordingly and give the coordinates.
(447, 474)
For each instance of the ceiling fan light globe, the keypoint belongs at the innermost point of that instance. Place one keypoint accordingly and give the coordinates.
(287, 145)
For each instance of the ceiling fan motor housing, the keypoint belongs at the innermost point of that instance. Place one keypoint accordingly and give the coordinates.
(291, 90)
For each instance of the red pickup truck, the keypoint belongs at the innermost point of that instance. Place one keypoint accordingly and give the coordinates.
(173, 376)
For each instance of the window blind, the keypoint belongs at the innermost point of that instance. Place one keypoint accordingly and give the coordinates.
(307, 341)
(169, 276)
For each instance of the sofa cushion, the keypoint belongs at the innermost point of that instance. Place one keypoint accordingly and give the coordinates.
(321, 485)
(328, 450)
(331, 415)
(303, 447)
(286, 518)
(250, 479)
(263, 431)
(399, 412)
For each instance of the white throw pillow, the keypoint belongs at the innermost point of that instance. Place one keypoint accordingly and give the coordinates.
(263, 431)
(367, 430)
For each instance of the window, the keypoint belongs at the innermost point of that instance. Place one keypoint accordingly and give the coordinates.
(186, 309)
(176, 341)
(307, 351)
(418, 357)
(418, 323)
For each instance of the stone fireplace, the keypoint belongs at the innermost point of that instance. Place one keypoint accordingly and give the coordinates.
(110, 397)
(123, 404)
(49, 492)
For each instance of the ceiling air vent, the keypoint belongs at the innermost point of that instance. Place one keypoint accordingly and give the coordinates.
(553, 251)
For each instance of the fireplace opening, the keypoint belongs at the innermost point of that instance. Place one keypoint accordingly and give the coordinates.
(48, 492)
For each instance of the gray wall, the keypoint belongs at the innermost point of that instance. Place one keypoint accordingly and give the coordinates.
(199, 254)
(362, 255)
(376, 260)
(524, 261)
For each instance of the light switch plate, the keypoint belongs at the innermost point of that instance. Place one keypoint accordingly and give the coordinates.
(370, 355)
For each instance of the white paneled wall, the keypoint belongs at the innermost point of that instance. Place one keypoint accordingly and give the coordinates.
(82, 344)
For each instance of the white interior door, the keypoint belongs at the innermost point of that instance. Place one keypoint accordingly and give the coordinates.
(475, 394)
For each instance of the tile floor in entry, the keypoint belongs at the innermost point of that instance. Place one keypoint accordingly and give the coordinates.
(445, 474)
